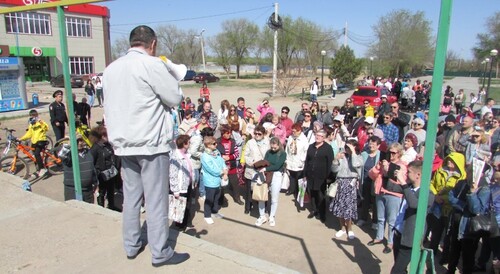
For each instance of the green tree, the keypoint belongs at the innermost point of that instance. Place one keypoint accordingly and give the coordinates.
(489, 40)
(223, 53)
(345, 67)
(403, 40)
(241, 36)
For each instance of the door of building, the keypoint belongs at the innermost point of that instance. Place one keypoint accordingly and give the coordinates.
(37, 68)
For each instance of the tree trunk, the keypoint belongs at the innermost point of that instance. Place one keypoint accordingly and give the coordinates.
(238, 71)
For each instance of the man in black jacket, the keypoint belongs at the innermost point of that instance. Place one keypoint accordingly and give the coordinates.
(400, 120)
(405, 221)
(88, 175)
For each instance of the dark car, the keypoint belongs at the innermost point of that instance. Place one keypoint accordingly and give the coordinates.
(205, 77)
(76, 81)
(371, 93)
(190, 74)
(343, 88)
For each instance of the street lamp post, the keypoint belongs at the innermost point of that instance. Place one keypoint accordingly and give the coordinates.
(371, 65)
(485, 62)
(202, 50)
(493, 54)
(323, 53)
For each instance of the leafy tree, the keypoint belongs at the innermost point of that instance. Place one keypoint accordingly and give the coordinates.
(223, 53)
(345, 67)
(119, 47)
(489, 40)
(241, 36)
(403, 40)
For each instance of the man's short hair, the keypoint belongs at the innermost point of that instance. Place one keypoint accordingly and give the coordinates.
(240, 99)
(375, 139)
(142, 36)
(416, 165)
(286, 108)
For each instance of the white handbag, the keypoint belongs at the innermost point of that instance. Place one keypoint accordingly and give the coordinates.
(332, 189)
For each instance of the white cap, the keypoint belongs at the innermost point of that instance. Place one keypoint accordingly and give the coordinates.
(369, 120)
(383, 96)
(339, 118)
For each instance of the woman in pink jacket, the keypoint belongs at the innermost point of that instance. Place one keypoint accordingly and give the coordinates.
(264, 108)
(388, 193)
(279, 130)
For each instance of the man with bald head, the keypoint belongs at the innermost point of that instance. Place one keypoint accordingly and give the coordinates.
(460, 137)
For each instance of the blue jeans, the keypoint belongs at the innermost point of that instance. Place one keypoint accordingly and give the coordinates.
(200, 183)
(387, 210)
(275, 189)
(314, 97)
(90, 100)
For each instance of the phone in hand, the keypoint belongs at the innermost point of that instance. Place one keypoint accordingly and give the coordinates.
(391, 173)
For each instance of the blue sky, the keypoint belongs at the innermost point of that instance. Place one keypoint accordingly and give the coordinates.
(468, 17)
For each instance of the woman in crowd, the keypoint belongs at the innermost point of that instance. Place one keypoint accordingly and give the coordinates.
(223, 112)
(105, 159)
(182, 178)
(478, 147)
(276, 157)
(296, 149)
(230, 153)
(348, 164)
(388, 193)
(348, 110)
(188, 124)
(90, 90)
(495, 125)
(203, 123)
(255, 150)
(98, 91)
(250, 121)
(279, 130)
(307, 124)
(213, 172)
(264, 108)
(314, 110)
(324, 116)
(317, 167)
(459, 100)
(234, 119)
(205, 92)
(417, 128)
(409, 145)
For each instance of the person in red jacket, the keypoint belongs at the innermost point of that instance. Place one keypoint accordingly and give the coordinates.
(229, 152)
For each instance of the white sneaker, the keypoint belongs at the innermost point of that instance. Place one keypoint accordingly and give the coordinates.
(350, 235)
(261, 221)
(209, 221)
(217, 215)
(272, 222)
(340, 233)
(202, 198)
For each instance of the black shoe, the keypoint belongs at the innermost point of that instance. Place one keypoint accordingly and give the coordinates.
(311, 215)
(387, 250)
(372, 243)
(289, 193)
(136, 254)
(177, 258)
(247, 211)
(238, 201)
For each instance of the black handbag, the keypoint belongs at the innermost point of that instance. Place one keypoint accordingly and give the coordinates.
(482, 224)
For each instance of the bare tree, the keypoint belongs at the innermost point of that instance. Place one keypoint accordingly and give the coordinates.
(241, 36)
(119, 47)
(287, 83)
(220, 46)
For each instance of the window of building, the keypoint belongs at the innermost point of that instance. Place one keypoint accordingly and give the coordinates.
(28, 23)
(78, 27)
(81, 65)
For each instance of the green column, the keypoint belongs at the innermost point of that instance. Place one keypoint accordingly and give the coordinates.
(69, 103)
(437, 84)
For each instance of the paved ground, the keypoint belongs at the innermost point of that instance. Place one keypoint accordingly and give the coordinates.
(296, 242)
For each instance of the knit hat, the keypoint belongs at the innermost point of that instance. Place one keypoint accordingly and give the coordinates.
(413, 138)
(450, 118)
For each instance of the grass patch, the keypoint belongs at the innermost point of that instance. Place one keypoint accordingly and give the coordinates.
(494, 81)
(495, 94)
(448, 77)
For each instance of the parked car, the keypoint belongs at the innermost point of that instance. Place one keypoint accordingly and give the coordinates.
(342, 88)
(76, 81)
(371, 93)
(94, 76)
(190, 74)
(205, 77)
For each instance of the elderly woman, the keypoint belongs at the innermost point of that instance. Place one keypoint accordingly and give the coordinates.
(325, 116)
(182, 178)
(477, 147)
(307, 124)
(311, 135)
(317, 167)
(409, 145)
(388, 193)
(348, 164)
(276, 157)
(296, 149)
(213, 172)
(417, 128)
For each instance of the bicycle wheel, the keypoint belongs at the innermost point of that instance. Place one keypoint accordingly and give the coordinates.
(15, 165)
(50, 143)
(53, 164)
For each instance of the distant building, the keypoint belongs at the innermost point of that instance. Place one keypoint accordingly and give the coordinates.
(34, 36)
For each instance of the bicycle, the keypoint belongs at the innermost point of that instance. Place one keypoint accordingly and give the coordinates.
(16, 165)
(5, 147)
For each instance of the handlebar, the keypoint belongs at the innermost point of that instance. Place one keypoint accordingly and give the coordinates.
(9, 129)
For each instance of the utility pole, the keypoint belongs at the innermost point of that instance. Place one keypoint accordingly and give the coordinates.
(345, 35)
(203, 51)
(275, 52)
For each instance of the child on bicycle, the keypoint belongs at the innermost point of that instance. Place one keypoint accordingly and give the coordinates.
(37, 132)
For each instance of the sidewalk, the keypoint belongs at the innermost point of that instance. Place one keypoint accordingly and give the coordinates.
(40, 235)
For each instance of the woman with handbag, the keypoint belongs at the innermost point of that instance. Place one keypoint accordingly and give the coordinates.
(348, 163)
(107, 167)
(230, 153)
(276, 157)
(213, 172)
(181, 177)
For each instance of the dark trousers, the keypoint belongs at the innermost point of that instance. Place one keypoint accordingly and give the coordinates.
(402, 255)
(233, 187)
(469, 247)
(455, 244)
(211, 205)
(87, 195)
(294, 182)
(318, 202)
(107, 192)
(438, 226)
(38, 147)
(248, 194)
(368, 202)
(59, 131)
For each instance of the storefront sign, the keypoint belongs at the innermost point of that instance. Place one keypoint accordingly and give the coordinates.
(36, 51)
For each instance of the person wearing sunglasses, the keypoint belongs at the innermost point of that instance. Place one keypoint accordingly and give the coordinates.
(348, 110)
(299, 117)
(388, 194)
(234, 119)
(325, 116)
(478, 147)
(370, 110)
(255, 149)
(417, 128)
(286, 122)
